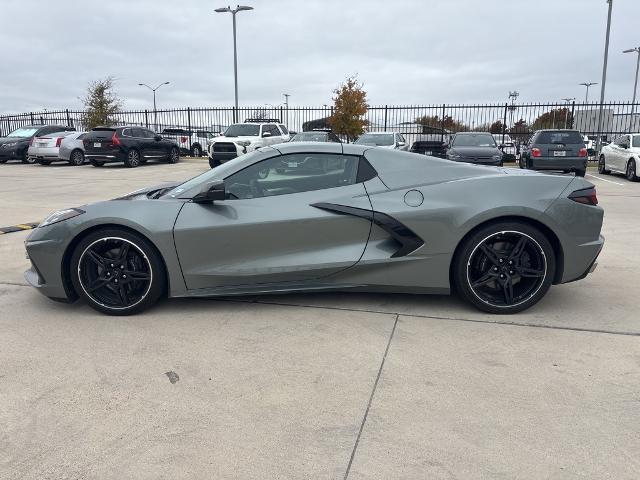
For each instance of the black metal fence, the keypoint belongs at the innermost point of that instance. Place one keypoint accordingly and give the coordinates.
(519, 120)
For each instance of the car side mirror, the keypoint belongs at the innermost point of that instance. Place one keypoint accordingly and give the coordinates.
(157, 138)
(211, 192)
(266, 134)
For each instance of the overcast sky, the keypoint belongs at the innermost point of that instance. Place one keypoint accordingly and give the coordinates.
(405, 51)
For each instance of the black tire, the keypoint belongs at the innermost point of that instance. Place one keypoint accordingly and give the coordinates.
(483, 279)
(76, 158)
(174, 155)
(112, 282)
(196, 151)
(602, 166)
(214, 163)
(4, 160)
(581, 173)
(26, 158)
(521, 162)
(96, 163)
(132, 160)
(44, 162)
(630, 172)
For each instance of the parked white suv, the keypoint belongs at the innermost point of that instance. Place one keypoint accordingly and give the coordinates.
(241, 138)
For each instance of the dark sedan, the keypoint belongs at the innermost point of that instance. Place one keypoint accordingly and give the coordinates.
(131, 145)
(16, 144)
(474, 147)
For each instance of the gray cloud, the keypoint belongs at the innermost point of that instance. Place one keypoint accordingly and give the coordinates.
(405, 51)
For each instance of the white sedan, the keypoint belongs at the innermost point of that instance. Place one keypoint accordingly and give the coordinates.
(621, 156)
(45, 149)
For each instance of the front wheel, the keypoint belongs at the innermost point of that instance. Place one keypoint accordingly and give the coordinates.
(132, 159)
(117, 272)
(602, 166)
(76, 158)
(631, 171)
(504, 268)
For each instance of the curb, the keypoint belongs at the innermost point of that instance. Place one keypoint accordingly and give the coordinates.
(18, 228)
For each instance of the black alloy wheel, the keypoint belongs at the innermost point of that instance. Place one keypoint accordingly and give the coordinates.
(133, 158)
(174, 155)
(631, 171)
(76, 158)
(117, 272)
(505, 270)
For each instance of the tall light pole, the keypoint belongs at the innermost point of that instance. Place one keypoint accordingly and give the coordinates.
(239, 8)
(587, 84)
(155, 111)
(604, 77)
(286, 106)
(635, 86)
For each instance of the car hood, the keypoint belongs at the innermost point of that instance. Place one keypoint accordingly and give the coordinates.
(12, 140)
(234, 139)
(475, 151)
(149, 193)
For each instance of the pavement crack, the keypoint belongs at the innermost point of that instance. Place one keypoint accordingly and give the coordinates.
(373, 391)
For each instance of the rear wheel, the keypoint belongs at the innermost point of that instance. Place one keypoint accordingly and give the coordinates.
(117, 272)
(76, 158)
(26, 158)
(132, 159)
(174, 155)
(581, 173)
(631, 171)
(602, 166)
(196, 151)
(504, 267)
(44, 162)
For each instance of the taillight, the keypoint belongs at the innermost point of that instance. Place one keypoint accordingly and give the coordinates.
(59, 141)
(582, 152)
(535, 152)
(183, 139)
(115, 140)
(586, 196)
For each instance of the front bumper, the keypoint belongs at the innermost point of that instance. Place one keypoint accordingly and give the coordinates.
(483, 161)
(45, 272)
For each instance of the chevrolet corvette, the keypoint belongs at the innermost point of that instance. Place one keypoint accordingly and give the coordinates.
(370, 220)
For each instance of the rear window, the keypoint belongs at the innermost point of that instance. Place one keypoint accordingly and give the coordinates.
(571, 138)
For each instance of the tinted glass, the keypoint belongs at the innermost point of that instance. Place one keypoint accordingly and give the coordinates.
(148, 133)
(284, 129)
(310, 137)
(242, 130)
(566, 137)
(295, 173)
(23, 132)
(474, 140)
(636, 140)
(273, 130)
(379, 140)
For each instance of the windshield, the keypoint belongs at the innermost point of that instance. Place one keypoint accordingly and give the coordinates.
(215, 174)
(310, 137)
(479, 140)
(23, 132)
(242, 130)
(379, 140)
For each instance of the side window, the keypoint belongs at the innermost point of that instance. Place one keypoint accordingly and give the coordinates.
(148, 133)
(295, 173)
(284, 129)
(273, 130)
(334, 138)
(137, 133)
(126, 132)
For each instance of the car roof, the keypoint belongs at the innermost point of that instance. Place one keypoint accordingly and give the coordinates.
(380, 133)
(477, 133)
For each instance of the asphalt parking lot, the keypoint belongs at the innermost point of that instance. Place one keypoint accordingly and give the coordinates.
(315, 386)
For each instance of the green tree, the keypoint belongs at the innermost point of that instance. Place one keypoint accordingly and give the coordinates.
(349, 108)
(101, 103)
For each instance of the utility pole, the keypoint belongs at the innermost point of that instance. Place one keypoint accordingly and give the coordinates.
(604, 77)
(635, 86)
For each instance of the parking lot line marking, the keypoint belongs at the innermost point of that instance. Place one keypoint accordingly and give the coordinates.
(18, 228)
(605, 180)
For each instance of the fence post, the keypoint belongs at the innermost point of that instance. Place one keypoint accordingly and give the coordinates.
(444, 111)
(146, 118)
(68, 118)
(504, 118)
(385, 117)
(32, 122)
(189, 118)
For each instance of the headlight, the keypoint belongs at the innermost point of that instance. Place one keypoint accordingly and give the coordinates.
(60, 216)
(244, 143)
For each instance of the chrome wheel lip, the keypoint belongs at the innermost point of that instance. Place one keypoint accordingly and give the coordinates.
(530, 296)
(103, 239)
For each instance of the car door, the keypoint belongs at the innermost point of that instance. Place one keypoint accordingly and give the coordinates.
(268, 229)
(156, 149)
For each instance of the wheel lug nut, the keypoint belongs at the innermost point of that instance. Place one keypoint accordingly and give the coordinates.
(121, 267)
(112, 265)
(115, 280)
(124, 276)
(501, 275)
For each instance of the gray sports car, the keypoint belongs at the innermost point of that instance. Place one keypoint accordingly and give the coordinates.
(374, 220)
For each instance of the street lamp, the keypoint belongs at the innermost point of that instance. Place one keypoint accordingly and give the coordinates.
(239, 8)
(604, 77)
(635, 87)
(587, 84)
(155, 112)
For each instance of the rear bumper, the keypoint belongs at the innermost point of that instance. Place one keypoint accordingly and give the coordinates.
(105, 157)
(582, 260)
(558, 163)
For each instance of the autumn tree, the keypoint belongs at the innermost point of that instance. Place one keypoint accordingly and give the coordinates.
(448, 123)
(554, 118)
(496, 127)
(101, 103)
(349, 108)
